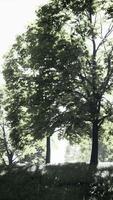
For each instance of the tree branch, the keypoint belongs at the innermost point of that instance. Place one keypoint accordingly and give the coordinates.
(110, 29)
(109, 73)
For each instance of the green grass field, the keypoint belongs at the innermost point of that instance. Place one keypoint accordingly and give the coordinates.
(58, 182)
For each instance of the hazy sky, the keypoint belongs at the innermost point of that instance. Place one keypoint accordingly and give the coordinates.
(15, 15)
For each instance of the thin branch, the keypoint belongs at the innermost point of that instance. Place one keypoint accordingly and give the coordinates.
(101, 28)
(95, 20)
(101, 120)
(110, 29)
(109, 73)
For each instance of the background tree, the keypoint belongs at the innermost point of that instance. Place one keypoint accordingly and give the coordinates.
(19, 88)
(68, 51)
(6, 152)
(28, 151)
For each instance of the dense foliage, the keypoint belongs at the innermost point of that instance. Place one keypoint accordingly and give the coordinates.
(31, 152)
(59, 74)
(59, 79)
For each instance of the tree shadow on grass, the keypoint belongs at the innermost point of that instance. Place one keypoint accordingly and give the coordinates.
(58, 182)
(100, 186)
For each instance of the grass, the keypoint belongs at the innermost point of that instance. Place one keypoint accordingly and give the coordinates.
(58, 182)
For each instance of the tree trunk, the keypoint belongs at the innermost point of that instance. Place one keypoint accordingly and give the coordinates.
(94, 152)
(48, 150)
(8, 151)
(10, 158)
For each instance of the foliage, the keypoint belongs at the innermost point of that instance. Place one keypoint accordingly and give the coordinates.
(32, 152)
(106, 147)
(101, 187)
(15, 95)
(60, 72)
(84, 147)
(6, 150)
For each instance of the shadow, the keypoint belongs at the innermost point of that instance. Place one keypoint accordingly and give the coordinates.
(74, 181)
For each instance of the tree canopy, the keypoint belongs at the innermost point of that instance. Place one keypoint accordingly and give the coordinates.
(61, 72)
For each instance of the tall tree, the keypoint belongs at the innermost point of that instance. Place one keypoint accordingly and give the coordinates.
(69, 52)
(23, 148)
(20, 87)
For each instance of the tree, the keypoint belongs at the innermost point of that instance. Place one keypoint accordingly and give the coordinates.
(28, 151)
(69, 53)
(106, 147)
(6, 152)
(19, 88)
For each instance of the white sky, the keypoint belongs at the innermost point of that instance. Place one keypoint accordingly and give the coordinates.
(15, 15)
